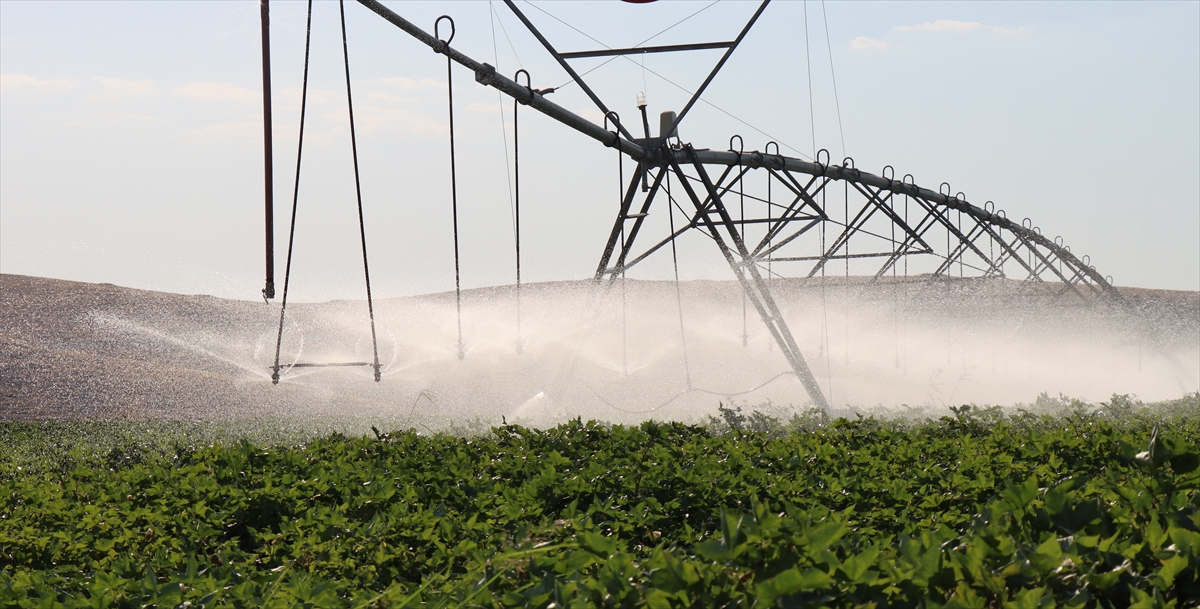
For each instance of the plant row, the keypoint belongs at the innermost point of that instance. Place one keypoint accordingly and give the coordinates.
(956, 513)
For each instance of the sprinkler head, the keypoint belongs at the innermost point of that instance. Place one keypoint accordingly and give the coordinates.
(641, 100)
(275, 375)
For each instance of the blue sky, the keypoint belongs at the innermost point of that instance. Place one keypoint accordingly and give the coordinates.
(131, 134)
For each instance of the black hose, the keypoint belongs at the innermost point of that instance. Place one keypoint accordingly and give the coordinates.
(454, 198)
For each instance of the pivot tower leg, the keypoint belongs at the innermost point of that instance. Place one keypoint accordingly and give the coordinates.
(746, 270)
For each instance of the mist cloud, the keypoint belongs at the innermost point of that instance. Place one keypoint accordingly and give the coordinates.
(25, 81)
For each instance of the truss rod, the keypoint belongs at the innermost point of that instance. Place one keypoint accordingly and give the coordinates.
(622, 215)
(640, 50)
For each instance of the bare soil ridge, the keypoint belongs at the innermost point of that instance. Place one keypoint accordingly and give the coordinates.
(83, 350)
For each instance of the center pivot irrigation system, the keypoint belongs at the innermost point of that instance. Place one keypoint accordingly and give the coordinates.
(814, 214)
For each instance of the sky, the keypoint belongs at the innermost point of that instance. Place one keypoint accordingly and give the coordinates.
(131, 133)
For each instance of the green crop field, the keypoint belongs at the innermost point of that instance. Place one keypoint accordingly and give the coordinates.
(1091, 508)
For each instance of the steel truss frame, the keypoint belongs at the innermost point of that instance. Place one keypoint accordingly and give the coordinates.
(898, 219)
(982, 242)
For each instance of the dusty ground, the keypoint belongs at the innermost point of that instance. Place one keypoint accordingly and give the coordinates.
(70, 350)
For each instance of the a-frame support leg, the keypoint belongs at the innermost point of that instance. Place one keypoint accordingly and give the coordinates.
(744, 267)
(623, 215)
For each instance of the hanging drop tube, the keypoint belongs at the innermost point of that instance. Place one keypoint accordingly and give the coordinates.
(269, 190)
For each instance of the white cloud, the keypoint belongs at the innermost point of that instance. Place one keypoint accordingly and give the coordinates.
(218, 92)
(23, 81)
(406, 84)
(960, 27)
(119, 87)
(941, 25)
(863, 43)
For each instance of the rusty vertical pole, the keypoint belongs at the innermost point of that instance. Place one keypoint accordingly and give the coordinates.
(269, 290)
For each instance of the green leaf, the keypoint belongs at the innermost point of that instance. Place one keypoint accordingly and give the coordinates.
(714, 549)
(856, 567)
(731, 526)
(820, 537)
(1104, 581)
(790, 582)
(576, 561)
(655, 599)
(1141, 599)
(1018, 496)
(1187, 542)
(1048, 555)
(723, 549)
(1056, 501)
(667, 580)
(1171, 568)
(598, 544)
(965, 598)
(1032, 598)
